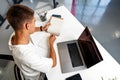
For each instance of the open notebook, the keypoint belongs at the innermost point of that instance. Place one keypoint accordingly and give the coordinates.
(56, 25)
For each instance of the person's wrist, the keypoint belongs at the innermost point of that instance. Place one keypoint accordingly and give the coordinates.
(51, 42)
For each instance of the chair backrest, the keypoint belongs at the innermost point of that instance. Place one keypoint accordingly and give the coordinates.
(18, 73)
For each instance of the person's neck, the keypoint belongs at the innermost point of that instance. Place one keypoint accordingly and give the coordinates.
(21, 37)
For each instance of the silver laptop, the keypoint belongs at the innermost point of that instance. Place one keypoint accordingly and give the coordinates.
(78, 54)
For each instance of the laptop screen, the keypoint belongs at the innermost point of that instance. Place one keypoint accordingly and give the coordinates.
(90, 52)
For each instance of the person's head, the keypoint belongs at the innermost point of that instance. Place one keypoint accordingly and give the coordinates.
(21, 17)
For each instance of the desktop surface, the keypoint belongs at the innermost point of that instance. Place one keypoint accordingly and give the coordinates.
(71, 29)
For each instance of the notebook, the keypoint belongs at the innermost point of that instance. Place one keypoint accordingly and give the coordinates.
(56, 25)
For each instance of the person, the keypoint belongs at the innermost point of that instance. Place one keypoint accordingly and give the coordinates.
(31, 59)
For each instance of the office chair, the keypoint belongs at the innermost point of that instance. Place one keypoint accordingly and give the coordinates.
(17, 72)
(1, 20)
(55, 4)
(17, 1)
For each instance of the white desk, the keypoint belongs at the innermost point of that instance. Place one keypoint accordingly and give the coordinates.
(71, 29)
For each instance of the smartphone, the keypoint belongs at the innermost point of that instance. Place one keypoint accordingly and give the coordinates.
(74, 77)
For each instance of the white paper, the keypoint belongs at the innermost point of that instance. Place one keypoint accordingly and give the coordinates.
(56, 26)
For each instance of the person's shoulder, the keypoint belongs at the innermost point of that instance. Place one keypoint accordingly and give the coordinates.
(23, 52)
(26, 48)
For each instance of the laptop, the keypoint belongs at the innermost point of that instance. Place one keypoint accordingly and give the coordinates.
(78, 54)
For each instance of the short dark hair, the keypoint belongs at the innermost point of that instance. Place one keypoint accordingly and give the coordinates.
(18, 14)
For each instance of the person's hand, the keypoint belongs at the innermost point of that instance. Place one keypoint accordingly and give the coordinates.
(46, 26)
(52, 39)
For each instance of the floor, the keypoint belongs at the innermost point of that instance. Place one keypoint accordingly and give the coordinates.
(101, 16)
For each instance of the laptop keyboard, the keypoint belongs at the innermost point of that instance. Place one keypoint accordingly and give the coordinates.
(74, 55)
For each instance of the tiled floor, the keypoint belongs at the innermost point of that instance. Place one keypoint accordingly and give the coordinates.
(101, 16)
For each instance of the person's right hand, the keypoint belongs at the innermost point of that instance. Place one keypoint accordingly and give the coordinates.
(52, 38)
(46, 26)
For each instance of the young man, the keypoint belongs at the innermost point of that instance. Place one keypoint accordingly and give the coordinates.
(28, 57)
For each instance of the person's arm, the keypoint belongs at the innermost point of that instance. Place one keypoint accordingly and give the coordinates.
(52, 51)
(42, 28)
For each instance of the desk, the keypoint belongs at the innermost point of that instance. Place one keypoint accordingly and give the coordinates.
(71, 29)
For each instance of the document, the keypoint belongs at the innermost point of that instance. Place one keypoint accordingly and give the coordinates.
(56, 25)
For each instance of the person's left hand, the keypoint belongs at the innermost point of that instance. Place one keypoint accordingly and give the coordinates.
(46, 26)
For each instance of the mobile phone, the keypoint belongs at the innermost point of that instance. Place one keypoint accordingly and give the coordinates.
(74, 77)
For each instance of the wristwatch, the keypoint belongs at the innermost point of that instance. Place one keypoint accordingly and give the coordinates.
(41, 28)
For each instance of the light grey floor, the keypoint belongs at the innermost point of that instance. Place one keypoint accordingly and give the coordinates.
(101, 16)
(103, 19)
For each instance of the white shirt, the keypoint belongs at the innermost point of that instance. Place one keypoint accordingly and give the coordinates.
(31, 59)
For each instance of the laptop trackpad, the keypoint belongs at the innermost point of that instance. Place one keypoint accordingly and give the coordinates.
(74, 55)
